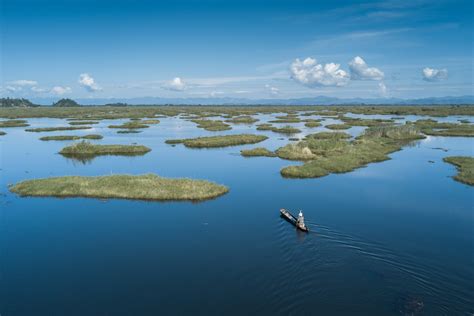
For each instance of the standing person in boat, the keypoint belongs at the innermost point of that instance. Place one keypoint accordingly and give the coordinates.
(300, 220)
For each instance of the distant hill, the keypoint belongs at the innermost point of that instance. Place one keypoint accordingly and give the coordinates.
(66, 103)
(318, 100)
(19, 103)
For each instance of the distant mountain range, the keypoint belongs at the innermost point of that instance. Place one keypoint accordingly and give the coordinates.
(319, 100)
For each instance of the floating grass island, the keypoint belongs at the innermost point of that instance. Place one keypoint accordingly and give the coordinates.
(71, 137)
(55, 129)
(434, 128)
(312, 123)
(324, 156)
(14, 123)
(139, 187)
(2, 133)
(219, 141)
(337, 126)
(83, 122)
(257, 152)
(242, 120)
(130, 125)
(128, 131)
(86, 149)
(211, 125)
(465, 166)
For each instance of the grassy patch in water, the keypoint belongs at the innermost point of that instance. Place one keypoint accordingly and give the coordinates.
(329, 135)
(14, 123)
(211, 125)
(242, 120)
(71, 137)
(219, 141)
(465, 167)
(86, 149)
(138, 187)
(130, 125)
(312, 123)
(286, 130)
(337, 126)
(289, 119)
(55, 129)
(2, 133)
(339, 155)
(364, 122)
(257, 152)
(83, 122)
(434, 128)
(128, 131)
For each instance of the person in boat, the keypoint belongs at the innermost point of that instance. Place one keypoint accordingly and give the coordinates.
(300, 220)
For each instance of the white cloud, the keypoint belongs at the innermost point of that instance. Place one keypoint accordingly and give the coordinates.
(38, 89)
(177, 84)
(23, 83)
(311, 74)
(361, 71)
(86, 81)
(13, 88)
(272, 90)
(431, 74)
(58, 90)
(383, 89)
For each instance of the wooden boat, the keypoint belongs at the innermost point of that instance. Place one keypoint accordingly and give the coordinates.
(297, 221)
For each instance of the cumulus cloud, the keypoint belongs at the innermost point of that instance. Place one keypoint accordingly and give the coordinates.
(361, 71)
(58, 90)
(23, 83)
(86, 81)
(177, 84)
(272, 90)
(431, 74)
(312, 74)
(13, 88)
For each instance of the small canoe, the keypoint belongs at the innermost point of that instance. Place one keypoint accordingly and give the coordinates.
(292, 219)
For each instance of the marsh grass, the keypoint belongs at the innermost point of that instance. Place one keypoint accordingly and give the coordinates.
(339, 155)
(14, 123)
(2, 133)
(83, 122)
(242, 120)
(71, 137)
(219, 141)
(211, 125)
(257, 152)
(465, 167)
(286, 130)
(139, 187)
(434, 128)
(85, 149)
(312, 124)
(128, 131)
(337, 126)
(329, 135)
(130, 125)
(364, 122)
(55, 129)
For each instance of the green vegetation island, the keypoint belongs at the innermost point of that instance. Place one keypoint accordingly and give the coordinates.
(465, 167)
(56, 129)
(137, 187)
(71, 137)
(326, 155)
(86, 149)
(219, 141)
(257, 152)
(14, 123)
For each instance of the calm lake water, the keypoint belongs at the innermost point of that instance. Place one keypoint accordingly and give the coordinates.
(394, 238)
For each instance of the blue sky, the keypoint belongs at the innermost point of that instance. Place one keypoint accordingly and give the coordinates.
(245, 49)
